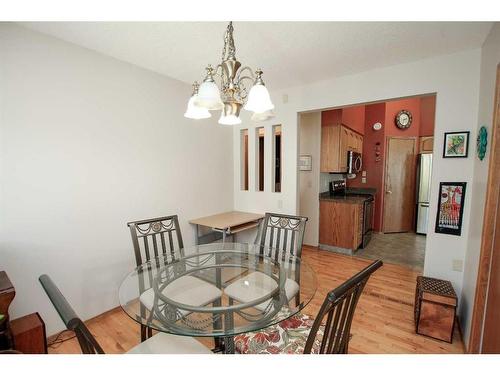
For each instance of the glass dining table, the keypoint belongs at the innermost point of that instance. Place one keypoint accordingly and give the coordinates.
(257, 287)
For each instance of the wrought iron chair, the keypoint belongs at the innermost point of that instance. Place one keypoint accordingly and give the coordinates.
(281, 236)
(329, 333)
(162, 237)
(161, 343)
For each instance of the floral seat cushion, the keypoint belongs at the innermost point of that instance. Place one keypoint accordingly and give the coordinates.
(287, 337)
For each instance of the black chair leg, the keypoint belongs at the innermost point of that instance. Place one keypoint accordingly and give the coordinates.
(146, 332)
(297, 299)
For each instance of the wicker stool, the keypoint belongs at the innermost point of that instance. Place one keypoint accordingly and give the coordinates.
(435, 308)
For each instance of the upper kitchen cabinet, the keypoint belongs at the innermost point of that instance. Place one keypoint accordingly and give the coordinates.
(336, 140)
(426, 145)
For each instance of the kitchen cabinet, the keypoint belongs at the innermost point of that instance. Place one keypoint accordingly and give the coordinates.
(340, 224)
(336, 140)
(426, 145)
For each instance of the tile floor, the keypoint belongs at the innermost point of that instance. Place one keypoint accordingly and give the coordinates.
(399, 248)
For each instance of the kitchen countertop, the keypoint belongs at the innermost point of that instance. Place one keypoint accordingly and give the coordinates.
(364, 190)
(354, 199)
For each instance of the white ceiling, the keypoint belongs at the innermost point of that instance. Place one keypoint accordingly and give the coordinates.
(289, 53)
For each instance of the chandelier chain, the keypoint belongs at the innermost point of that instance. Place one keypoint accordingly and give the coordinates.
(229, 51)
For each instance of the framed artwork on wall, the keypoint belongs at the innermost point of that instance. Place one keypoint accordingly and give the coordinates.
(305, 163)
(450, 208)
(456, 145)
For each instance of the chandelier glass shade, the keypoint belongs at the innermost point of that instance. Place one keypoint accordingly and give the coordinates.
(230, 114)
(259, 100)
(232, 92)
(209, 97)
(193, 111)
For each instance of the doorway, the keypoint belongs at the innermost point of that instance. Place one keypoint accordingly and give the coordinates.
(391, 154)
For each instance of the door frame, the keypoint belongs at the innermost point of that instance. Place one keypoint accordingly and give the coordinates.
(489, 223)
(415, 148)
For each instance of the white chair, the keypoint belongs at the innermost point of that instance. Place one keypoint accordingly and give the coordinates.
(280, 236)
(160, 343)
(162, 237)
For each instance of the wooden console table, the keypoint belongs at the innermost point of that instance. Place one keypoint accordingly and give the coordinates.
(224, 224)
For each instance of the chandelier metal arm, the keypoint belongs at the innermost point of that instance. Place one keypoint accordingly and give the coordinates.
(219, 73)
(246, 68)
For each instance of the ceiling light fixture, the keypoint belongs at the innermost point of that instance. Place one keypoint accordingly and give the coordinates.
(233, 92)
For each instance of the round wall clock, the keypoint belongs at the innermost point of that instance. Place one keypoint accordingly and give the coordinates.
(403, 119)
(482, 142)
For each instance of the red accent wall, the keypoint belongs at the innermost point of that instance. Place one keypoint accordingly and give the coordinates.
(391, 110)
(333, 116)
(374, 169)
(354, 118)
(427, 115)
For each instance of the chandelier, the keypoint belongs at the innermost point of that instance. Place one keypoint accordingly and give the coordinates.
(232, 92)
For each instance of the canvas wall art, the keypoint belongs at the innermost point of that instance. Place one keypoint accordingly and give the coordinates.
(450, 208)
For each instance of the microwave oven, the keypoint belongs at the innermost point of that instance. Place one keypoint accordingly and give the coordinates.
(354, 162)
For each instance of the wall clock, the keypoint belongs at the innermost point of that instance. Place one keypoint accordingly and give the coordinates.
(403, 119)
(482, 142)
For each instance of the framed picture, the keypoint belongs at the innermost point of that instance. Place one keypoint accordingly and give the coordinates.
(305, 163)
(456, 145)
(450, 208)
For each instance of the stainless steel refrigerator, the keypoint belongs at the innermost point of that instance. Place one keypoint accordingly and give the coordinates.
(424, 168)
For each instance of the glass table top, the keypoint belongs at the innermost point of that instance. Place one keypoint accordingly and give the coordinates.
(217, 290)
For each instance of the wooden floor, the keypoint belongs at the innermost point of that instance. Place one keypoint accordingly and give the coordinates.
(383, 322)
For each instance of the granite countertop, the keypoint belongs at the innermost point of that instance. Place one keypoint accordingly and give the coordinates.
(355, 196)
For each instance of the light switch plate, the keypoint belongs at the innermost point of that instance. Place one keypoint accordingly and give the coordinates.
(458, 265)
(363, 180)
(363, 174)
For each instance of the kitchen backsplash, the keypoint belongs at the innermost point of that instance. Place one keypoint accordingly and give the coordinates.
(325, 178)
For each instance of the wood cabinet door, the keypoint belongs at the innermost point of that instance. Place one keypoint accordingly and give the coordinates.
(324, 156)
(325, 222)
(355, 141)
(340, 224)
(426, 145)
(343, 148)
(330, 141)
(351, 140)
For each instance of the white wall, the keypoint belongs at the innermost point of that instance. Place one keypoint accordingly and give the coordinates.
(455, 79)
(490, 58)
(88, 143)
(310, 144)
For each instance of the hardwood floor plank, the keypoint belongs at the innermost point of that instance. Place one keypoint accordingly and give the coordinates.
(383, 322)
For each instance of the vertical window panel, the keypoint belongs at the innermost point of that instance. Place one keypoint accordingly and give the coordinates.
(244, 159)
(277, 158)
(259, 162)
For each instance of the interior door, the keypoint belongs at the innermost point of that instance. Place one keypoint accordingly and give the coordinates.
(491, 331)
(399, 197)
